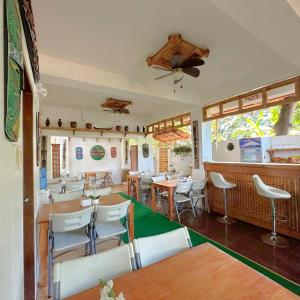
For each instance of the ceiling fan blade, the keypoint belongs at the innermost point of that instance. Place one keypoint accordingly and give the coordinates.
(177, 60)
(192, 62)
(163, 76)
(161, 68)
(123, 111)
(194, 72)
(178, 80)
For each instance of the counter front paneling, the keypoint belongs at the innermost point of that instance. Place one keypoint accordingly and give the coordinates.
(245, 204)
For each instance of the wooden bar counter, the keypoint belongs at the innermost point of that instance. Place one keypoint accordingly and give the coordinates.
(246, 205)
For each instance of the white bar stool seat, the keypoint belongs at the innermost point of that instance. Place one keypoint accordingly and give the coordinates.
(220, 183)
(274, 194)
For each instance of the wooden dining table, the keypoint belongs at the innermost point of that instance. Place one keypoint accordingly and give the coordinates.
(66, 207)
(166, 185)
(135, 181)
(204, 272)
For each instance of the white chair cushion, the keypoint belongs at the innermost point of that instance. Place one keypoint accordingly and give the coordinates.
(106, 230)
(181, 198)
(70, 239)
(156, 248)
(83, 273)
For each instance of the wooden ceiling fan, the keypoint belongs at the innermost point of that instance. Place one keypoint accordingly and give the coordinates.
(116, 106)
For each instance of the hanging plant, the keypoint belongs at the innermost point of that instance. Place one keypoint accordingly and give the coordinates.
(182, 150)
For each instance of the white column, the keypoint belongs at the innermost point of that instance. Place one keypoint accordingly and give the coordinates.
(204, 142)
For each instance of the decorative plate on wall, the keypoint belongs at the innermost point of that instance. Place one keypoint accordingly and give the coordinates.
(145, 149)
(113, 152)
(97, 152)
(79, 153)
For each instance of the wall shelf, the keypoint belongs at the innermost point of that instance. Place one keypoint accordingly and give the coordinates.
(93, 130)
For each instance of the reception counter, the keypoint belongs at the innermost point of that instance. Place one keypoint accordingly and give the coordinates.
(246, 205)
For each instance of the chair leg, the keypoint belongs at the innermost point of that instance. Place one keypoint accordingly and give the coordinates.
(193, 209)
(176, 208)
(50, 259)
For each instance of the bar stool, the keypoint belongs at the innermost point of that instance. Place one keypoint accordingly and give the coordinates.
(273, 194)
(220, 183)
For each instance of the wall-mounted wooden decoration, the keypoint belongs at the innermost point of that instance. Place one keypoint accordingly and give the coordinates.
(196, 144)
(79, 153)
(97, 152)
(126, 151)
(170, 134)
(13, 69)
(44, 152)
(38, 138)
(113, 152)
(30, 36)
(145, 149)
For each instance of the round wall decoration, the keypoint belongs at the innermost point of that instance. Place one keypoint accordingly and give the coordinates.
(97, 152)
(230, 146)
(113, 152)
(145, 149)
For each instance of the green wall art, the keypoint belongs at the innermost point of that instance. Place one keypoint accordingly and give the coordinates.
(13, 70)
(97, 152)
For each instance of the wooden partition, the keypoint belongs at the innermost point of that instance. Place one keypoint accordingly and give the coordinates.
(245, 204)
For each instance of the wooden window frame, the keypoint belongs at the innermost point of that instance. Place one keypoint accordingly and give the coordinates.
(264, 104)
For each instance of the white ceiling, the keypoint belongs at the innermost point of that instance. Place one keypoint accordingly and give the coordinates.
(251, 43)
(87, 100)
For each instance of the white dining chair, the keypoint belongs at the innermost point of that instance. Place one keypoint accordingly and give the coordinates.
(55, 187)
(152, 249)
(145, 187)
(99, 192)
(68, 195)
(108, 222)
(163, 195)
(74, 185)
(66, 232)
(181, 196)
(198, 193)
(134, 173)
(73, 276)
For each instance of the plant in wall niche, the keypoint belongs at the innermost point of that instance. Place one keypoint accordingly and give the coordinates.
(182, 150)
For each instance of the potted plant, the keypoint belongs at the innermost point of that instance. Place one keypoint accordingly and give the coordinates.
(182, 150)
(94, 199)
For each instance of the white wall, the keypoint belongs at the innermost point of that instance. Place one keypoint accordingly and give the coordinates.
(11, 201)
(221, 153)
(291, 141)
(89, 164)
(181, 163)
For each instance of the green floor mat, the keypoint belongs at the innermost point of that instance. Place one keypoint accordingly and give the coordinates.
(147, 223)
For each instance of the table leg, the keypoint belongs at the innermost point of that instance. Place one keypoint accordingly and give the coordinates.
(43, 254)
(131, 221)
(128, 186)
(153, 197)
(171, 202)
(137, 190)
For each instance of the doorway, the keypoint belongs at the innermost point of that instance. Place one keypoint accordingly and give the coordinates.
(28, 192)
(55, 160)
(134, 165)
(163, 160)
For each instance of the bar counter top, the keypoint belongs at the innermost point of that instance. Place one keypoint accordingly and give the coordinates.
(246, 205)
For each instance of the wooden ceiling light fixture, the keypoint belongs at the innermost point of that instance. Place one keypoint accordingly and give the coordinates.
(115, 105)
(179, 57)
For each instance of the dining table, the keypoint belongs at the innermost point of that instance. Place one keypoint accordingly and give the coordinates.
(204, 272)
(66, 207)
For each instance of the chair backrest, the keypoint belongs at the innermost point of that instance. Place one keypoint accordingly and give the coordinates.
(53, 180)
(55, 187)
(158, 178)
(110, 213)
(199, 184)
(155, 248)
(146, 180)
(99, 192)
(74, 185)
(62, 222)
(134, 173)
(73, 276)
(183, 187)
(100, 174)
(71, 178)
(218, 180)
(68, 195)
